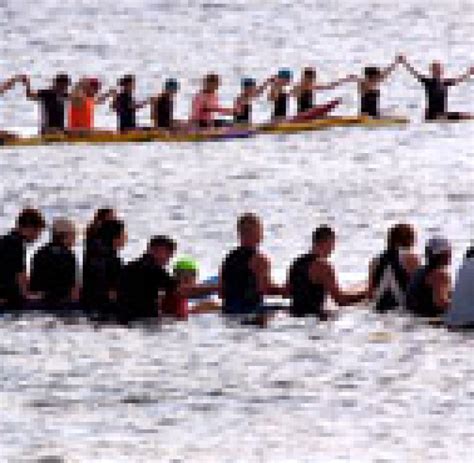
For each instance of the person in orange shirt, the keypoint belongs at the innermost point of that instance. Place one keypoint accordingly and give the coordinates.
(83, 100)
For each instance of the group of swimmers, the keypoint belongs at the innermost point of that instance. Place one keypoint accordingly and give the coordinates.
(144, 288)
(72, 110)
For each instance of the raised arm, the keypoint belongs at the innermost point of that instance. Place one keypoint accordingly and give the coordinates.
(10, 83)
(336, 83)
(463, 77)
(31, 94)
(102, 98)
(385, 72)
(410, 68)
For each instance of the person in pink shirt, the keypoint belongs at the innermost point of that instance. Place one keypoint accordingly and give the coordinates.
(206, 104)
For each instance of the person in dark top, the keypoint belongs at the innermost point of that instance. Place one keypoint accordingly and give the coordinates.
(279, 94)
(13, 280)
(101, 215)
(54, 268)
(390, 272)
(53, 101)
(243, 103)
(125, 105)
(162, 106)
(429, 291)
(102, 270)
(312, 278)
(245, 274)
(146, 281)
(436, 90)
(308, 85)
(369, 88)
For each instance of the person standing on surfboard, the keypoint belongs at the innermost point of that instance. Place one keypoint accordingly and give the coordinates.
(84, 97)
(279, 95)
(206, 105)
(245, 274)
(125, 104)
(162, 106)
(243, 102)
(369, 88)
(312, 278)
(52, 102)
(436, 90)
(304, 93)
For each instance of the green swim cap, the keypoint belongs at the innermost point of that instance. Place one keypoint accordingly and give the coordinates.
(186, 263)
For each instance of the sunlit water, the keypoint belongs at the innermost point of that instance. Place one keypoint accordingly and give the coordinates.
(204, 391)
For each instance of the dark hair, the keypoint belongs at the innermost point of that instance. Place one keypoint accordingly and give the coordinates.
(309, 72)
(438, 260)
(401, 235)
(127, 79)
(323, 233)
(163, 241)
(62, 79)
(371, 72)
(249, 218)
(30, 218)
(100, 216)
(109, 231)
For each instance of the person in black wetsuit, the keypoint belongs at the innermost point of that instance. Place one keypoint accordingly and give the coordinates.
(125, 105)
(279, 95)
(53, 101)
(13, 279)
(390, 272)
(312, 278)
(305, 89)
(54, 269)
(429, 291)
(436, 90)
(162, 106)
(369, 88)
(102, 270)
(243, 102)
(92, 231)
(245, 274)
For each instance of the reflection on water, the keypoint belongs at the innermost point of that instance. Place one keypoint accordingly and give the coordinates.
(359, 389)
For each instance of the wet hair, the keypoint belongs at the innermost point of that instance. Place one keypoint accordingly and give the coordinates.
(109, 231)
(211, 78)
(249, 219)
(162, 241)
(437, 260)
(31, 218)
(102, 214)
(371, 72)
(62, 79)
(323, 233)
(309, 72)
(401, 235)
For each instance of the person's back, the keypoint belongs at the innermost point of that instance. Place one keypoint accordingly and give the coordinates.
(307, 298)
(54, 273)
(81, 113)
(239, 282)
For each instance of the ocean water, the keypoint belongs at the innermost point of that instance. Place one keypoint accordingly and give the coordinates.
(360, 389)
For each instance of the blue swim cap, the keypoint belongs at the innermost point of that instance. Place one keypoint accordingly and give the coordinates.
(285, 73)
(171, 84)
(248, 82)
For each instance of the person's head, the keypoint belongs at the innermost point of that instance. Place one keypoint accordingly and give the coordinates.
(63, 232)
(284, 76)
(323, 240)
(162, 249)
(30, 223)
(93, 86)
(61, 82)
(372, 73)
(186, 271)
(102, 214)
(211, 83)
(401, 236)
(309, 75)
(436, 69)
(112, 234)
(171, 86)
(438, 252)
(250, 230)
(127, 83)
(248, 85)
